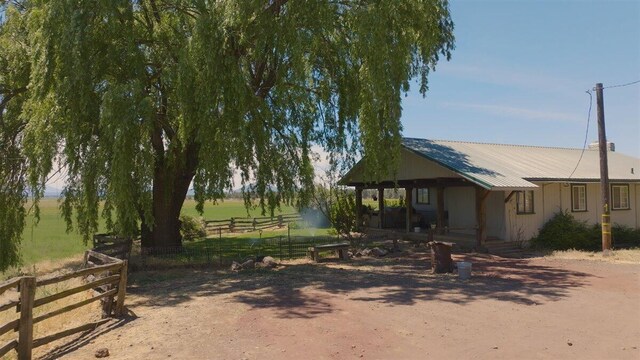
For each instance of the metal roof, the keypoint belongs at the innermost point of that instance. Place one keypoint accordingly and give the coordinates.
(502, 166)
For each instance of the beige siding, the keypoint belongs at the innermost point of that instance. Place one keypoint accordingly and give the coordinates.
(520, 227)
(496, 227)
(460, 202)
(550, 198)
(411, 167)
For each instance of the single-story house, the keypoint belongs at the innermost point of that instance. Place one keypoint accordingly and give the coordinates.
(499, 191)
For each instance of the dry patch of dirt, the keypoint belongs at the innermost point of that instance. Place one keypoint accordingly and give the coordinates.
(627, 256)
(388, 308)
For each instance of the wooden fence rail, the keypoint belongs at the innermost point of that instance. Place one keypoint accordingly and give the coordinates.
(105, 275)
(239, 224)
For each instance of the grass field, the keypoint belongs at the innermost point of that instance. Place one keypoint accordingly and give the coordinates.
(49, 240)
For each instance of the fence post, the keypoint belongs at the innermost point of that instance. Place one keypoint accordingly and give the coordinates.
(232, 224)
(280, 246)
(107, 302)
(279, 220)
(25, 329)
(122, 289)
(255, 223)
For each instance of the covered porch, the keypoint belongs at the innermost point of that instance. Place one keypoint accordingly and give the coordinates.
(461, 219)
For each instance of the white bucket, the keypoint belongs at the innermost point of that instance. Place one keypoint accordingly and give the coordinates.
(416, 229)
(464, 270)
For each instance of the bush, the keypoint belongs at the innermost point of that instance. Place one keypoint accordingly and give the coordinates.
(625, 236)
(191, 228)
(343, 213)
(564, 232)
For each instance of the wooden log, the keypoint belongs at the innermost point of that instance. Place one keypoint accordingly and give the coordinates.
(53, 337)
(9, 284)
(79, 273)
(8, 305)
(359, 208)
(10, 345)
(25, 328)
(409, 206)
(108, 280)
(440, 209)
(102, 257)
(11, 325)
(74, 306)
(122, 290)
(481, 215)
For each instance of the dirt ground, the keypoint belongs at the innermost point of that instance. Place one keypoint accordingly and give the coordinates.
(389, 308)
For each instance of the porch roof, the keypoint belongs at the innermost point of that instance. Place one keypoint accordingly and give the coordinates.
(512, 167)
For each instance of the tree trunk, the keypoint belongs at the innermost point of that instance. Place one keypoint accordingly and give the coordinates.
(170, 187)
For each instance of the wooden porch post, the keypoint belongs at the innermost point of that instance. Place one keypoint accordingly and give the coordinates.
(481, 215)
(409, 206)
(358, 207)
(440, 209)
(381, 206)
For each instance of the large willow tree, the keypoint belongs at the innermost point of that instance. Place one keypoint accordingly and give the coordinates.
(137, 100)
(14, 78)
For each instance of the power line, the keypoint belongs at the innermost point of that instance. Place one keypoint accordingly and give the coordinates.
(622, 85)
(586, 134)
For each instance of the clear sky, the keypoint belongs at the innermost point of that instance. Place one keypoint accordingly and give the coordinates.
(520, 71)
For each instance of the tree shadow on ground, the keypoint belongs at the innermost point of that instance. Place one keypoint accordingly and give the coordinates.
(87, 337)
(304, 290)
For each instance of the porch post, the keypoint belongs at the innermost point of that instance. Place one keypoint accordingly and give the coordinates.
(440, 209)
(359, 207)
(409, 206)
(381, 206)
(481, 216)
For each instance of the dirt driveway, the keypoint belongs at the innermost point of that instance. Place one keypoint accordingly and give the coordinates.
(389, 308)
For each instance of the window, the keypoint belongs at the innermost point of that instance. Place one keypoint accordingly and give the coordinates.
(423, 196)
(524, 202)
(578, 198)
(620, 197)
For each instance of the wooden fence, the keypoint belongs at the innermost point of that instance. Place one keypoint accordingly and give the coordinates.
(106, 276)
(239, 224)
(112, 245)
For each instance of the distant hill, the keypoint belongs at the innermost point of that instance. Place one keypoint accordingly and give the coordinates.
(51, 191)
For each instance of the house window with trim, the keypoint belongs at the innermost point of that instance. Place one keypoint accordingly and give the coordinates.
(423, 196)
(578, 197)
(524, 202)
(620, 197)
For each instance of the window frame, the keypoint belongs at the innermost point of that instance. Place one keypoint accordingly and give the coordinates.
(521, 196)
(628, 198)
(586, 206)
(418, 199)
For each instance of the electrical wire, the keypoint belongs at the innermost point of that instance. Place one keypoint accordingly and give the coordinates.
(621, 85)
(586, 135)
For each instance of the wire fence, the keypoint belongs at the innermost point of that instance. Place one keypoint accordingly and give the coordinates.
(224, 251)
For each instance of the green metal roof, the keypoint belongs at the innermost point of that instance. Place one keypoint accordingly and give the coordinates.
(504, 167)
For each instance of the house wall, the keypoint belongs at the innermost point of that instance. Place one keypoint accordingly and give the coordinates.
(496, 227)
(550, 198)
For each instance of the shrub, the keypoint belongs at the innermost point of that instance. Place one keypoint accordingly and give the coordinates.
(625, 236)
(191, 228)
(564, 232)
(343, 213)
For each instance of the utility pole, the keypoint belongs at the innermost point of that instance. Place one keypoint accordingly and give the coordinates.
(604, 173)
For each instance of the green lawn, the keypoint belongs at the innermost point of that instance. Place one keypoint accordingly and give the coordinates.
(50, 241)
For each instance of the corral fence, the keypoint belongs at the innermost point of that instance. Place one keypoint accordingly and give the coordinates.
(105, 275)
(112, 245)
(245, 224)
(222, 252)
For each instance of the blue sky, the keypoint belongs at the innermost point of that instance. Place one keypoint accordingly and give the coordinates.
(520, 71)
